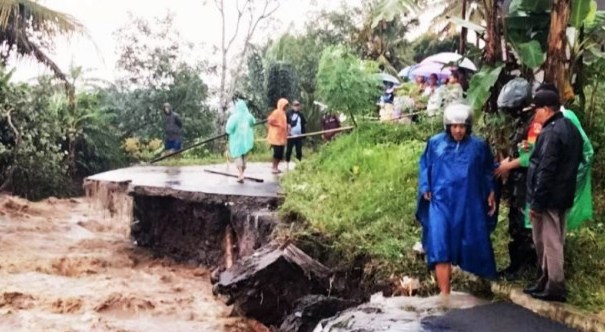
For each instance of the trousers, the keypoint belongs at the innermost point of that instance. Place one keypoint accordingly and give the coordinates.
(548, 232)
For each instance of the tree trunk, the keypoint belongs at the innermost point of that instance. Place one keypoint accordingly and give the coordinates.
(493, 48)
(556, 56)
(463, 33)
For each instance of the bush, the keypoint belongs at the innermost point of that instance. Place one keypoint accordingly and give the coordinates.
(357, 196)
(360, 193)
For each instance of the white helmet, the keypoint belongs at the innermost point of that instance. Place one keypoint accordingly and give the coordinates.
(458, 113)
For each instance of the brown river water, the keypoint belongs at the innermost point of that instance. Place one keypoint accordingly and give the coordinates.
(67, 266)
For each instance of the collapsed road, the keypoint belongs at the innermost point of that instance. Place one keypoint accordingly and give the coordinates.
(207, 222)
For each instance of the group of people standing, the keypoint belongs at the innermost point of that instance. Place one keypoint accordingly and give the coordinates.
(285, 126)
(547, 175)
(286, 129)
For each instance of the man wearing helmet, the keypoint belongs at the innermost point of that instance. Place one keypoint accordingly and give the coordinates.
(456, 199)
(514, 100)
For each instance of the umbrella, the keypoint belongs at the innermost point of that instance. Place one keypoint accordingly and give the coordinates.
(388, 78)
(449, 57)
(405, 72)
(426, 69)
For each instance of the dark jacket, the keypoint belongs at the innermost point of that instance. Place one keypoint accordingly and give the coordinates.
(303, 121)
(517, 180)
(553, 165)
(172, 126)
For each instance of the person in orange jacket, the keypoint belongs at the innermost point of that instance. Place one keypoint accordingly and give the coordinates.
(277, 135)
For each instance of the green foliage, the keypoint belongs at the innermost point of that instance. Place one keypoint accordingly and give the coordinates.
(254, 85)
(346, 83)
(154, 72)
(388, 10)
(580, 9)
(281, 83)
(31, 158)
(531, 6)
(531, 54)
(429, 44)
(359, 192)
(480, 87)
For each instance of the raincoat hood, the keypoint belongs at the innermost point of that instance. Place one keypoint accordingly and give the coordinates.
(281, 103)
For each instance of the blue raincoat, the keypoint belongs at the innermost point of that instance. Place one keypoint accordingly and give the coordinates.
(456, 226)
(240, 130)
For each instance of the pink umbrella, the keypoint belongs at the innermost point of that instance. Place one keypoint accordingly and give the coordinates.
(428, 68)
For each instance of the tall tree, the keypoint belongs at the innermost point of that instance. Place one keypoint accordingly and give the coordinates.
(249, 15)
(27, 28)
(152, 60)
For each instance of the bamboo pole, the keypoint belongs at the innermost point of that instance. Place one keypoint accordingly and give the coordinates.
(195, 145)
(322, 132)
(234, 176)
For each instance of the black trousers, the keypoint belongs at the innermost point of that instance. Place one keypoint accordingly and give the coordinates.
(294, 143)
(521, 246)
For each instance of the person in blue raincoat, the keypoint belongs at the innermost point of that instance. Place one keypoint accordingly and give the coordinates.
(240, 128)
(456, 203)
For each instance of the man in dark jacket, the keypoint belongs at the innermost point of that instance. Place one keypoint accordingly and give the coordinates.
(551, 184)
(515, 99)
(172, 129)
(297, 126)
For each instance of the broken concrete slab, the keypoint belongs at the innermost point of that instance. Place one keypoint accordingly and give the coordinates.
(309, 310)
(266, 285)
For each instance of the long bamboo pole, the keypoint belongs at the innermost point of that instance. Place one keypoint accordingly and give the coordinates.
(234, 176)
(195, 145)
(322, 132)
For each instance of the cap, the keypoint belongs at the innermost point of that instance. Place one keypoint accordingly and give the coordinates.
(547, 98)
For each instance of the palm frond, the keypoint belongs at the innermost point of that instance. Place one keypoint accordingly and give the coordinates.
(50, 23)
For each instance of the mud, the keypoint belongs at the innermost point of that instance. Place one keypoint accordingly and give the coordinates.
(214, 233)
(66, 265)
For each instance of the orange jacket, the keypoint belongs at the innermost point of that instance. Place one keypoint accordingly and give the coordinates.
(278, 125)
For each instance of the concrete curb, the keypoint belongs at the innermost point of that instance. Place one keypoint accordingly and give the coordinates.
(559, 312)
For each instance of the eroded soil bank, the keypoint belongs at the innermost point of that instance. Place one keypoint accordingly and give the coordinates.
(68, 266)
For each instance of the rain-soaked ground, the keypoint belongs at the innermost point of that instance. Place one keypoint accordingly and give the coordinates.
(196, 179)
(65, 267)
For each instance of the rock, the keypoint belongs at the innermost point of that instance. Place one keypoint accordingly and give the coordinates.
(266, 285)
(309, 310)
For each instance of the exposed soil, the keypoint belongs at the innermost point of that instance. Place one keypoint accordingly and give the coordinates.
(65, 266)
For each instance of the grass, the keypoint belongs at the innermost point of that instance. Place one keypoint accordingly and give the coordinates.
(356, 197)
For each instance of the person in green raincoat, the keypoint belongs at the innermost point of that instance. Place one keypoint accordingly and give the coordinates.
(582, 209)
(240, 128)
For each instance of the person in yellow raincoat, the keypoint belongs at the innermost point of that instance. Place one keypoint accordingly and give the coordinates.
(277, 135)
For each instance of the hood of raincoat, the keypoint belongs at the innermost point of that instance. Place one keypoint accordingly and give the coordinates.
(281, 103)
(277, 134)
(240, 130)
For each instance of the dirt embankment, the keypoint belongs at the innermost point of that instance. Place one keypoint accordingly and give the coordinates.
(65, 266)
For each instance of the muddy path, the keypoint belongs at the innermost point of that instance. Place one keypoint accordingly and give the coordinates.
(67, 266)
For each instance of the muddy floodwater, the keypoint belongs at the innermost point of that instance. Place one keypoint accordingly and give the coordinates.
(66, 266)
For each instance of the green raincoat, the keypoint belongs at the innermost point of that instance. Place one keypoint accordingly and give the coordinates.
(240, 130)
(582, 207)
